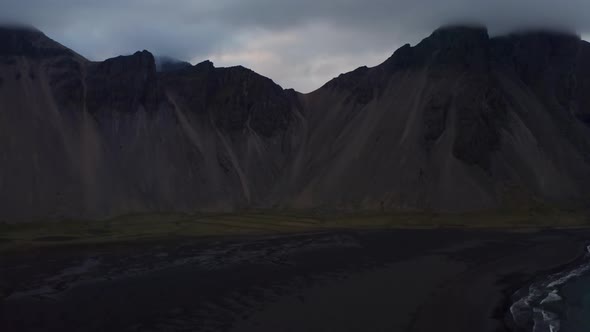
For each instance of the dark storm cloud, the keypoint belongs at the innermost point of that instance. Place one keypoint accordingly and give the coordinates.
(300, 43)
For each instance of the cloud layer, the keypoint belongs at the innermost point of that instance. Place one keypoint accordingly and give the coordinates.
(300, 44)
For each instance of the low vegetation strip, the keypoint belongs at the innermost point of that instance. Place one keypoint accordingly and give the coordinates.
(158, 226)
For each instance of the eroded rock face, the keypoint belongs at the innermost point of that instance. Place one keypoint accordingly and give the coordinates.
(67, 80)
(555, 68)
(123, 84)
(481, 115)
(234, 98)
(451, 124)
(435, 116)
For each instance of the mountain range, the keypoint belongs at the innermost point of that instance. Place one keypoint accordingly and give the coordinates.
(459, 122)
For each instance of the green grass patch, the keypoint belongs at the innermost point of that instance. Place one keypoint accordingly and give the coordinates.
(159, 226)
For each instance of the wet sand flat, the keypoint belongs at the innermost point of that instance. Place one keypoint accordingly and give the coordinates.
(388, 280)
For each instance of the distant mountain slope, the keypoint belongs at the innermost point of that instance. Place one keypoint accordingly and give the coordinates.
(86, 139)
(458, 122)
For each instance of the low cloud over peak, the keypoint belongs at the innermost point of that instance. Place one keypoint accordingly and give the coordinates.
(300, 44)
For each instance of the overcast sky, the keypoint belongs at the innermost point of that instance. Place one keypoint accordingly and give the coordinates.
(300, 44)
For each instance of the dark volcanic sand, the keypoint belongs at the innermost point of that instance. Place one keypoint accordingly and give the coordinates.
(395, 280)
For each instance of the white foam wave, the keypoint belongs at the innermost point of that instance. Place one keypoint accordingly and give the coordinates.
(553, 296)
(573, 274)
(538, 302)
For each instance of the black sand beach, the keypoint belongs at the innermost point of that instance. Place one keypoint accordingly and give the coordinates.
(390, 280)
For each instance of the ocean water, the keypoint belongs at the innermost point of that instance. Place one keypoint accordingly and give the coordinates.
(558, 303)
(576, 296)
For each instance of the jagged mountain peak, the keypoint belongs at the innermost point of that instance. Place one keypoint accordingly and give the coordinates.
(138, 61)
(205, 64)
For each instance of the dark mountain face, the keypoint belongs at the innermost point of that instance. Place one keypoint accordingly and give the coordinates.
(233, 98)
(553, 65)
(25, 41)
(459, 122)
(123, 84)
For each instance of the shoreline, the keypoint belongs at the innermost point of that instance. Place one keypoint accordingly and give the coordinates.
(520, 284)
(545, 276)
(480, 298)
